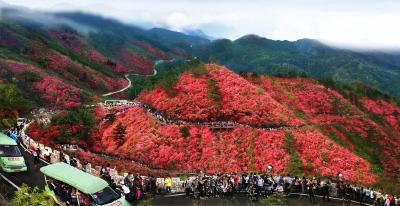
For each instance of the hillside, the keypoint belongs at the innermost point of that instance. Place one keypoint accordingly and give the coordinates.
(296, 125)
(73, 58)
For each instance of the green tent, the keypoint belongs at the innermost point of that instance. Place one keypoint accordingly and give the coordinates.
(78, 179)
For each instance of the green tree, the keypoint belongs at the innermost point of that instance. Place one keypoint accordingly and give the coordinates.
(213, 92)
(28, 196)
(119, 134)
(213, 59)
(29, 77)
(184, 131)
(11, 98)
(44, 62)
(75, 116)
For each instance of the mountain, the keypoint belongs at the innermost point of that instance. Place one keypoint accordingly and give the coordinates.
(110, 41)
(63, 60)
(343, 123)
(296, 125)
(86, 53)
(306, 57)
(197, 32)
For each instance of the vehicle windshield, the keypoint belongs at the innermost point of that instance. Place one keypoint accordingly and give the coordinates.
(9, 151)
(105, 196)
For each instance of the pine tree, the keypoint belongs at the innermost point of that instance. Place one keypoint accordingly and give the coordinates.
(119, 134)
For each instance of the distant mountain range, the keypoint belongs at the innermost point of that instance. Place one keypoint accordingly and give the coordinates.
(250, 53)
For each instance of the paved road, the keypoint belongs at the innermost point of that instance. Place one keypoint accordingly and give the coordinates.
(129, 82)
(32, 178)
(134, 74)
(295, 200)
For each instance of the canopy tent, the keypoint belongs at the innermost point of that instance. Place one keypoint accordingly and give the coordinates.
(78, 179)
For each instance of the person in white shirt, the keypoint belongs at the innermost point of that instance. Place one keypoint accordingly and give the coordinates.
(288, 182)
(260, 185)
(279, 188)
(277, 179)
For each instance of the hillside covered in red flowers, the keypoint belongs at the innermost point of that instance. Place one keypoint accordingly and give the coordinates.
(61, 67)
(296, 125)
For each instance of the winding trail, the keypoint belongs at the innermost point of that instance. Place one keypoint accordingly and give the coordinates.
(160, 116)
(135, 74)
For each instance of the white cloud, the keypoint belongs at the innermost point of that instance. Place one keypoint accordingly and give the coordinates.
(351, 23)
(177, 21)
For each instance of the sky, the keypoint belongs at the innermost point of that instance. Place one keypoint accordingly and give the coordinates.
(369, 24)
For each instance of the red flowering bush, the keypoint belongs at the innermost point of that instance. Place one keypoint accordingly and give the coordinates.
(45, 136)
(153, 51)
(133, 62)
(307, 96)
(320, 155)
(78, 73)
(11, 40)
(344, 122)
(55, 92)
(389, 112)
(174, 148)
(180, 53)
(380, 107)
(121, 165)
(81, 47)
(235, 100)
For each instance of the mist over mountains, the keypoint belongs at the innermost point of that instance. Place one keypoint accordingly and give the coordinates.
(250, 53)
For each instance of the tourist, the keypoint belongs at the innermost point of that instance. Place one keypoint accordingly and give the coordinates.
(73, 200)
(304, 185)
(168, 184)
(367, 193)
(288, 182)
(311, 190)
(260, 185)
(269, 183)
(390, 201)
(35, 156)
(361, 195)
(325, 191)
(129, 179)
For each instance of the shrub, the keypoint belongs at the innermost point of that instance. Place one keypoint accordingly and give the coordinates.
(213, 92)
(28, 77)
(184, 131)
(11, 98)
(27, 196)
(274, 200)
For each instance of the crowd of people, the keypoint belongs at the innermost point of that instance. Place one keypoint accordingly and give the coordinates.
(68, 194)
(257, 186)
(254, 186)
(15, 133)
